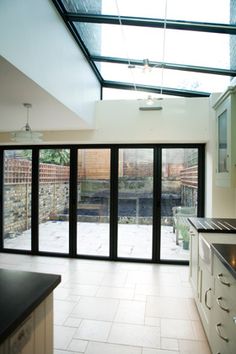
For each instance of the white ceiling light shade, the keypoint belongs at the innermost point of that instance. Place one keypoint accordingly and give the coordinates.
(26, 134)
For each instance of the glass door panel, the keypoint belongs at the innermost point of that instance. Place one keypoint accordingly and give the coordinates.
(93, 202)
(17, 199)
(54, 183)
(135, 203)
(178, 200)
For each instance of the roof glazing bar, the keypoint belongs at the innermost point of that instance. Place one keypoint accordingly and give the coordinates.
(171, 66)
(154, 89)
(152, 22)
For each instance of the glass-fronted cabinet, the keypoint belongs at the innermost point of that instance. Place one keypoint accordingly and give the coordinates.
(225, 109)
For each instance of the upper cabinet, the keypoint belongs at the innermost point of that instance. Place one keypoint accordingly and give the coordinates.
(225, 152)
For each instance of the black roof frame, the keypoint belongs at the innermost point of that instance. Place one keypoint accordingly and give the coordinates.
(70, 18)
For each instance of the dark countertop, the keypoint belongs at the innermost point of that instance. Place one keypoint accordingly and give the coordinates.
(227, 254)
(20, 293)
(218, 225)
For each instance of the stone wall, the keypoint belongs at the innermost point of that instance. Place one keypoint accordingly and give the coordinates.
(53, 201)
(53, 194)
(17, 208)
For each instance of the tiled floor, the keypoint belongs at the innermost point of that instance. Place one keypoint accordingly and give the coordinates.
(104, 307)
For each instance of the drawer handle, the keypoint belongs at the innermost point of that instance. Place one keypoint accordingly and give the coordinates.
(219, 334)
(219, 276)
(222, 307)
(206, 293)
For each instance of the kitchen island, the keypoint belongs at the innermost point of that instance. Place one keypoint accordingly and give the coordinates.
(26, 312)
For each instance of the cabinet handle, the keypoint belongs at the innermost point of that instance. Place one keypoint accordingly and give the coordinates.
(206, 293)
(222, 307)
(219, 334)
(219, 276)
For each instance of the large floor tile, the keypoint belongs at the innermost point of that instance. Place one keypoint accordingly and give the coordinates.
(130, 312)
(169, 344)
(193, 347)
(96, 308)
(115, 279)
(78, 346)
(115, 292)
(177, 329)
(86, 277)
(136, 335)
(63, 306)
(63, 336)
(167, 307)
(81, 289)
(107, 348)
(60, 318)
(147, 289)
(176, 291)
(93, 330)
(72, 322)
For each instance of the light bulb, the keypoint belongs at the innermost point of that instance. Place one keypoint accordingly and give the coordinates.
(150, 101)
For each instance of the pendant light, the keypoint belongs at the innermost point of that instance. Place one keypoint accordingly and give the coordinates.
(26, 134)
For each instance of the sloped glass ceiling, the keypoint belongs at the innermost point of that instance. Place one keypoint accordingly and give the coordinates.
(180, 47)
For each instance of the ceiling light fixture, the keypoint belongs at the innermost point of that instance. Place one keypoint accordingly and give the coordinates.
(26, 135)
(146, 66)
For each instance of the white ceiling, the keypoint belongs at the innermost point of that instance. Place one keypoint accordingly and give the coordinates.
(47, 113)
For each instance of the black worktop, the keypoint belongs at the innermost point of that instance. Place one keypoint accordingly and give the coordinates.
(219, 225)
(227, 254)
(20, 293)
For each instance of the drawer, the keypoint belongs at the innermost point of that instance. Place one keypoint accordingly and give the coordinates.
(223, 331)
(225, 284)
(222, 337)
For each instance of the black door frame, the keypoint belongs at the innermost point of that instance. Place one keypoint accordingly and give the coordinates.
(114, 148)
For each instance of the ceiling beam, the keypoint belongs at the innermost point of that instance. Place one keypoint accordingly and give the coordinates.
(154, 89)
(170, 66)
(152, 22)
(70, 25)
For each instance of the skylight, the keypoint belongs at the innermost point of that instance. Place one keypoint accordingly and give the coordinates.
(187, 43)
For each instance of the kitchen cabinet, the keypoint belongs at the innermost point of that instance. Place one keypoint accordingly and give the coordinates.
(194, 261)
(213, 298)
(225, 124)
(223, 316)
(205, 295)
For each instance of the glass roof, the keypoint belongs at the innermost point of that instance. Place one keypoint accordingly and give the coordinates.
(187, 10)
(164, 78)
(194, 38)
(180, 47)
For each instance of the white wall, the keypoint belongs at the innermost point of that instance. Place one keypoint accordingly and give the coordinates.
(182, 120)
(33, 38)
